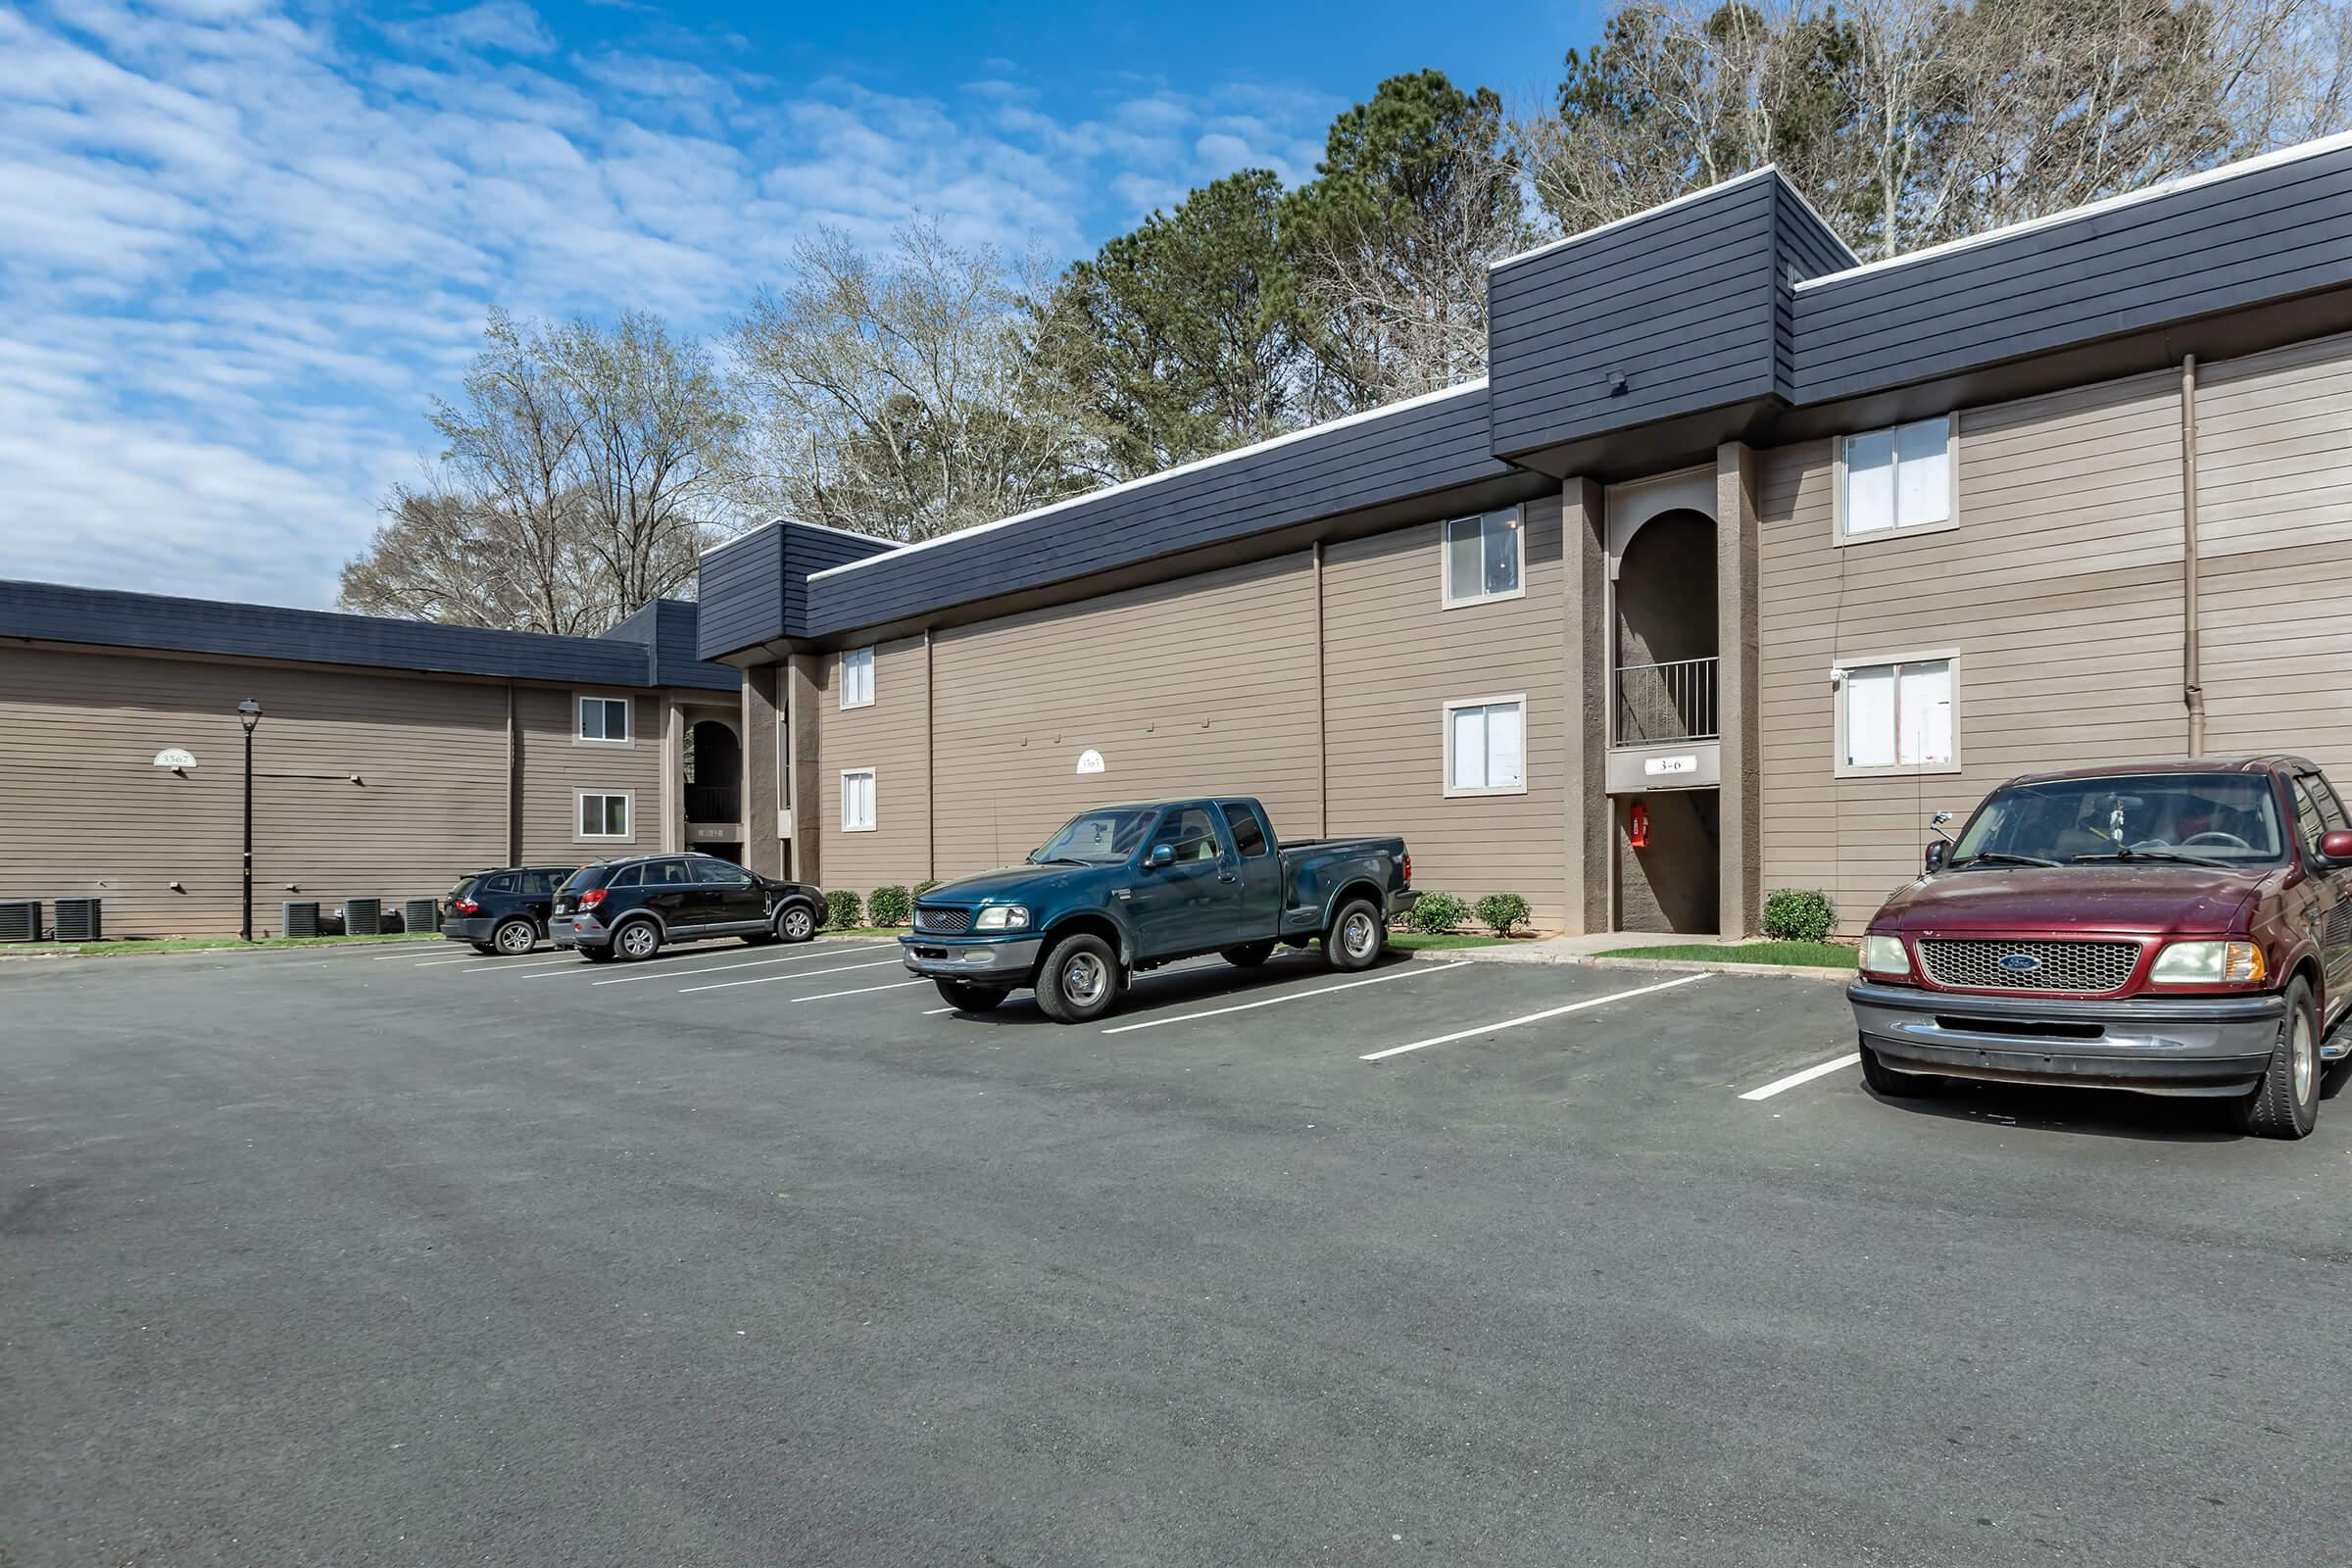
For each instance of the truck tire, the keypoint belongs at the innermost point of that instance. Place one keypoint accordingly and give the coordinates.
(1885, 1081)
(1357, 937)
(965, 996)
(1080, 980)
(1249, 956)
(634, 941)
(2286, 1103)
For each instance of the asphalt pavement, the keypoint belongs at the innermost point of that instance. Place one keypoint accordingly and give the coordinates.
(760, 1257)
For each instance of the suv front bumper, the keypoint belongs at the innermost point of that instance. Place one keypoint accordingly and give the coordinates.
(983, 960)
(2151, 1045)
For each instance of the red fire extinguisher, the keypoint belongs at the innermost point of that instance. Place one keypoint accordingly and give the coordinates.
(1640, 828)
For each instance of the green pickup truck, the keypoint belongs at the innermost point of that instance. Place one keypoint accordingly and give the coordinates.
(1123, 889)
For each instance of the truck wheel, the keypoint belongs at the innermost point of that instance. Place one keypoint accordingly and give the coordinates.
(1080, 980)
(794, 923)
(1356, 936)
(1886, 1081)
(965, 996)
(1249, 956)
(2286, 1103)
(637, 940)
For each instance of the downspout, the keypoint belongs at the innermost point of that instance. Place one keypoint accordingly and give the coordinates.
(1322, 712)
(2192, 671)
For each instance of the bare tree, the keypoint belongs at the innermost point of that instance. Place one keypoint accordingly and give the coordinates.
(891, 397)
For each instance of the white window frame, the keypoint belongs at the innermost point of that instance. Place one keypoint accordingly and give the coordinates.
(629, 706)
(1446, 597)
(628, 810)
(1445, 715)
(1841, 535)
(874, 796)
(1949, 657)
(871, 683)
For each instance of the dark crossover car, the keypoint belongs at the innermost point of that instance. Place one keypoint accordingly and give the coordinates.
(634, 908)
(1127, 888)
(503, 910)
(2171, 928)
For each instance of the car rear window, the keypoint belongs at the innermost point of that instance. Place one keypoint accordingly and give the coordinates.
(588, 876)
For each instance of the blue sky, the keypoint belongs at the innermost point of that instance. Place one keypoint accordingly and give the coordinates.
(248, 242)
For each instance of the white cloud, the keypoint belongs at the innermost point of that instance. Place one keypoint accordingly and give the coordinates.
(247, 245)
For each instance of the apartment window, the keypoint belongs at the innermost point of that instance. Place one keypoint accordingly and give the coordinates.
(603, 719)
(1484, 557)
(604, 817)
(857, 801)
(1897, 716)
(1486, 746)
(857, 677)
(1890, 481)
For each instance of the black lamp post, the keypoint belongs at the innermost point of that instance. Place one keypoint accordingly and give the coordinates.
(249, 714)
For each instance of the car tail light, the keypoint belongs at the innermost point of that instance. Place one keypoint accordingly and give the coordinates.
(1408, 868)
(464, 906)
(592, 898)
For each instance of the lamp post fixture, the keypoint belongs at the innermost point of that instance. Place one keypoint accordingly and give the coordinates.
(249, 714)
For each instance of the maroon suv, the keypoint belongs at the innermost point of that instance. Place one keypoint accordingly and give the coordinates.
(2173, 928)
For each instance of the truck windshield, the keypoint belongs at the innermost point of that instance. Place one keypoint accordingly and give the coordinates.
(1099, 838)
(2218, 818)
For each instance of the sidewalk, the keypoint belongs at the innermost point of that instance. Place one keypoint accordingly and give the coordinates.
(1590, 948)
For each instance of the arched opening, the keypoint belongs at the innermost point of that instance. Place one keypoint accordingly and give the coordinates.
(1664, 635)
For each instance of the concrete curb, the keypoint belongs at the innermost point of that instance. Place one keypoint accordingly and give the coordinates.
(1794, 971)
(59, 957)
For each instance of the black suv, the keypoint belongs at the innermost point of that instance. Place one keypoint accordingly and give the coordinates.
(505, 910)
(631, 909)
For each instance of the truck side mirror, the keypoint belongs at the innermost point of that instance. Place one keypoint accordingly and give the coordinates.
(2336, 846)
(1938, 849)
(1162, 855)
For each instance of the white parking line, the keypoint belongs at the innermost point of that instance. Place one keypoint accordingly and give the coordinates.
(828, 995)
(435, 964)
(1401, 972)
(772, 979)
(719, 969)
(540, 963)
(933, 1012)
(1532, 1017)
(1807, 1076)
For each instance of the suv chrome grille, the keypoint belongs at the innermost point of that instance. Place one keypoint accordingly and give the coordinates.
(1990, 963)
(942, 919)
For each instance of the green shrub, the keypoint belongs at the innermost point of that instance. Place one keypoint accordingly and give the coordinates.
(1499, 911)
(843, 909)
(1436, 912)
(892, 905)
(1798, 914)
(921, 888)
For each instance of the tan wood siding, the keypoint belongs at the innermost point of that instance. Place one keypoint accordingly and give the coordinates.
(1199, 686)
(556, 767)
(2061, 588)
(88, 813)
(2275, 535)
(1393, 656)
(889, 736)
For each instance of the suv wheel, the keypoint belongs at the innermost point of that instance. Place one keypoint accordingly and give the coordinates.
(2286, 1103)
(637, 940)
(795, 923)
(965, 996)
(1249, 956)
(1356, 936)
(1080, 980)
(515, 938)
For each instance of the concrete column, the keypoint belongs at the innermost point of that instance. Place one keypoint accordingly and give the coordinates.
(673, 777)
(762, 786)
(1737, 690)
(804, 795)
(1583, 770)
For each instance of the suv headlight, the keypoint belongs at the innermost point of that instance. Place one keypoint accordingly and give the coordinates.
(2208, 963)
(1885, 956)
(1003, 917)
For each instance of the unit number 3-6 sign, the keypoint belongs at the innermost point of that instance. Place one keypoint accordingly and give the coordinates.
(1654, 766)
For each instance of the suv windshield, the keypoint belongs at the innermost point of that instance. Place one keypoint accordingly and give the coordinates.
(2219, 818)
(1099, 838)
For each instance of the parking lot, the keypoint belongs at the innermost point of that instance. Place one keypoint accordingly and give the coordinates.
(762, 1256)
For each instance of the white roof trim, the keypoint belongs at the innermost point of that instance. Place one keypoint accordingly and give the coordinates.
(2130, 198)
(1131, 485)
(1683, 200)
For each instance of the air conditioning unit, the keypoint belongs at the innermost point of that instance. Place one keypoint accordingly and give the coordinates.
(363, 918)
(421, 914)
(21, 920)
(298, 919)
(77, 919)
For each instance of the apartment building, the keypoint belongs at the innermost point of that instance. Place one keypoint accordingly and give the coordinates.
(390, 756)
(1743, 560)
